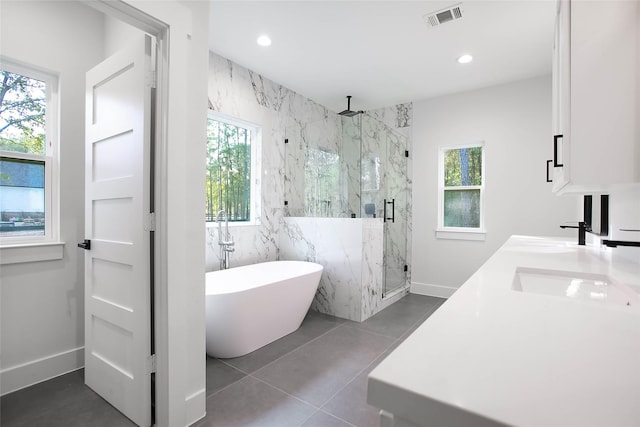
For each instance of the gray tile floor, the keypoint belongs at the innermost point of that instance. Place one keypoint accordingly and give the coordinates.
(314, 377)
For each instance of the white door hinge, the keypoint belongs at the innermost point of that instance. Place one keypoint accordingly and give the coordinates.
(151, 364)
(150, 223)
(152, 79)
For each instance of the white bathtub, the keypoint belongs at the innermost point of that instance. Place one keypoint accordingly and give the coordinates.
(249, 307)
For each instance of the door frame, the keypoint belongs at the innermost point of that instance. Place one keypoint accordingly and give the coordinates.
(160, 30)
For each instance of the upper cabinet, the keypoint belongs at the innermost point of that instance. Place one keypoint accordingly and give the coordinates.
(596, 96)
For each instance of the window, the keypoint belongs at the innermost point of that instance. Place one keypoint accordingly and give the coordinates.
(27, 151)
(461, 188)
(231, 168)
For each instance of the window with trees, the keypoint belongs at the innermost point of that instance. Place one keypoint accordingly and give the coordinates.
(27, 152)
(231, 164)
(461, 178)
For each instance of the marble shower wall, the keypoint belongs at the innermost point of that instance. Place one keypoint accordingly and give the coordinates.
(243, 94)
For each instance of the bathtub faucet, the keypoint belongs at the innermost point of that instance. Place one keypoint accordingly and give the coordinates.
(225, 241)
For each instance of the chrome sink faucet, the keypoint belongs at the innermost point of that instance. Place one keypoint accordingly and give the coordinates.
(225, 241)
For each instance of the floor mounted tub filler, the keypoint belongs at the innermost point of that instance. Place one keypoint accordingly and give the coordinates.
(251, 306)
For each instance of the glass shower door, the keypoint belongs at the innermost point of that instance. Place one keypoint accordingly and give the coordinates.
(385, 195)
(395, 212)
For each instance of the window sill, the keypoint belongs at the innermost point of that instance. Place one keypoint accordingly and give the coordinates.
(477, 235)
(31, 252)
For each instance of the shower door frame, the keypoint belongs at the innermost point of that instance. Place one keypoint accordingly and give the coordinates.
(389, 151)
(399, 152)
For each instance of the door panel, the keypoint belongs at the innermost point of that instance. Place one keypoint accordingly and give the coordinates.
(395, 231)
(117, 267)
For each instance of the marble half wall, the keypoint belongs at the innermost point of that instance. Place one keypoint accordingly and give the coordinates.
(351, 251)
(372, 267)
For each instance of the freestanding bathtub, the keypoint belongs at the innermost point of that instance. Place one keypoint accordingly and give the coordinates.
(249, 307)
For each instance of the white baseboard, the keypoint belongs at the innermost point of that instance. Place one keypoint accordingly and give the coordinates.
(36, 371)
(432, 290)
(195, 406)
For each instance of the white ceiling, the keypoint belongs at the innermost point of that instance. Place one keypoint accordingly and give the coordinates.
(382, 52)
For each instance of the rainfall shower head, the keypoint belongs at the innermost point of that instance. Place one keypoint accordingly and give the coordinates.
(348, 112)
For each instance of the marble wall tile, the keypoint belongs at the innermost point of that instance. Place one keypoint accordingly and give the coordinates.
(336, 243)
(399, 116)
(351, 251)
(253, 243)
(238, 92)
(372, 267)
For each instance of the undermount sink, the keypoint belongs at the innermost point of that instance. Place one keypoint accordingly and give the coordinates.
(597, 288)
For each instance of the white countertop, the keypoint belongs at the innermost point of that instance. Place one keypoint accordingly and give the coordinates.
(492, 355)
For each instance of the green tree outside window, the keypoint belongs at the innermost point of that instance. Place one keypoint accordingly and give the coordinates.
(463, 182)
(228, 178)
(23, 115)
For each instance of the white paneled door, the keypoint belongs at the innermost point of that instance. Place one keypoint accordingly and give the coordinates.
(118, 226)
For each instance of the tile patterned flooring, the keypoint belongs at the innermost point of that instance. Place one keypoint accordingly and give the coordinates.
(314, 377)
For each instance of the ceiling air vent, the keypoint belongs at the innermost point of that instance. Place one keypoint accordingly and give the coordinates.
(443, 16)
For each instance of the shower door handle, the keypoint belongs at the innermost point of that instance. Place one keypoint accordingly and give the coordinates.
(384, 211)
(393, 210)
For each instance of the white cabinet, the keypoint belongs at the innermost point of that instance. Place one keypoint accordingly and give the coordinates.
(596, 96)
(561, 82)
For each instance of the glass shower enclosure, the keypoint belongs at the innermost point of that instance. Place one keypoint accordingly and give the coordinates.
(385, 194)
(353, 167)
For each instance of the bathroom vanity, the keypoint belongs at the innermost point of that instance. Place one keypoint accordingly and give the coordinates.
(545, 333)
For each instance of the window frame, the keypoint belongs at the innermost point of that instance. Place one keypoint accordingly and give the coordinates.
(254, 183)
(460, 233)
(50, 157)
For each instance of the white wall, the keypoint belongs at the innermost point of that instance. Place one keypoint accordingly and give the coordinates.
(117, 35)
(514, 120)
(42, 302)
(189, 236)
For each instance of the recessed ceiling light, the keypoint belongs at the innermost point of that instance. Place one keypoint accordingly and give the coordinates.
(465, 59)
(264, 40)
